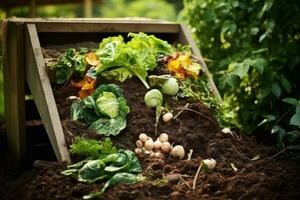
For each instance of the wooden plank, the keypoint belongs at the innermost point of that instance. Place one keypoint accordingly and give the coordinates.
(87, 8)
(13, 80)
(17, 3)
(39, 84)
(107, 26)
(185, 37)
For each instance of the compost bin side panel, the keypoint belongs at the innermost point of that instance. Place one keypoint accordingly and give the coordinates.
(39, 84)
(14, 101)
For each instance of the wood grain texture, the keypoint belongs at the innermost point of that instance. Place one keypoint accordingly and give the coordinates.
(13, 80)
(185, 37)
(39, 84)
(109, 27)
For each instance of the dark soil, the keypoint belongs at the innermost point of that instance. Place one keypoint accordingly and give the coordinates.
(245, 169)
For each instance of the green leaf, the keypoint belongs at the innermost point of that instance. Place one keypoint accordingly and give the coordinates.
(259, 64)
(107, 127)
(240, 69)
(69, 172)
(85, 147)
(116, 179)
(92, 171)
(108, 88)
(108, 104)
(286, 84)
(276, 90)
(295, 120)
(89, 102)
(291, 101)
(158, 81)
(76, 110)
(231, 79)
(106, 147)
(120, 74)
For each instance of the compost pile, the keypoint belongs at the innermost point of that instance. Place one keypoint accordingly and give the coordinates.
(188, 115)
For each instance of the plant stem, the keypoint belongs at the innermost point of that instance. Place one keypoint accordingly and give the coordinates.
(196, 176)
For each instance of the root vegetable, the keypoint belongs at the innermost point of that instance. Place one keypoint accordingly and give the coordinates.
(148, 152)
(163, 137)
(158, 155)
(167, 117)
(210, 163)
(178, 152)
(157, 144)
(152, 154)
(149, 145)
(166, 147)
(153, 98)
(139, 143)
(226, 130)
(143, 137)
(149, 138)
(170, 87)
(138, 150)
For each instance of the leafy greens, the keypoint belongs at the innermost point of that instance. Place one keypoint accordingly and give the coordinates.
(119, 167)
(121, 60)
(104, 111)
(69, 62)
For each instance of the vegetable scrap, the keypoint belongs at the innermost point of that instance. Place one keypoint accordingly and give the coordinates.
(182, 66)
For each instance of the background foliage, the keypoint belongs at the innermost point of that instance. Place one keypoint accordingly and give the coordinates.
(254, 48)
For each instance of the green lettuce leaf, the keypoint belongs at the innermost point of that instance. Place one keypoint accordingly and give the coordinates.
(120, 74)
(121, 60)
(108, 104)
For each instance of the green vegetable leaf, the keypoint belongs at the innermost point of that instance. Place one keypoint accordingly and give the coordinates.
(108, 104)
(120, 74)
(106, 147)
(157, 81)
(107, 127)
(116, 179)
(85, 147)
(92, 171)
(108, 88)
(105, 111)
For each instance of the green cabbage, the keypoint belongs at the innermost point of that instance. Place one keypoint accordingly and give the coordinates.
(104, 111)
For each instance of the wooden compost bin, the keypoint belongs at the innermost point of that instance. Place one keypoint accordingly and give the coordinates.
(24, 66)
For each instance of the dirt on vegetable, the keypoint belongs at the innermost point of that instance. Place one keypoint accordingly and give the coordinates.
(244, 170)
